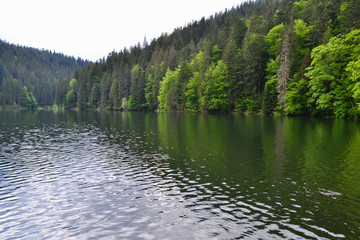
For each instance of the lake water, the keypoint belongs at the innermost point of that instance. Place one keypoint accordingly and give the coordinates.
(91, 175)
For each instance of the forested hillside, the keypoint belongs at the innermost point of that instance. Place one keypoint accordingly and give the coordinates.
(294, 57)
(28, 76)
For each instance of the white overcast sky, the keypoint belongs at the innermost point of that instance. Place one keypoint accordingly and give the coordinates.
(92, 29)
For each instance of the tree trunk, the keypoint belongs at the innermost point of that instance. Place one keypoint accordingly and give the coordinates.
(283, 74)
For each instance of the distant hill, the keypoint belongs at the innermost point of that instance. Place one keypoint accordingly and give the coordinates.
(36, 70)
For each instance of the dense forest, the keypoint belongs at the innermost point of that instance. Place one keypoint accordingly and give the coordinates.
(28, 76)
(294, 57)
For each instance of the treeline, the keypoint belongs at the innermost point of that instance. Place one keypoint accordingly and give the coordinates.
(294, 57)
(28, 76)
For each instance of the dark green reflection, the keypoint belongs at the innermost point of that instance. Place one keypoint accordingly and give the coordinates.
(299, 168)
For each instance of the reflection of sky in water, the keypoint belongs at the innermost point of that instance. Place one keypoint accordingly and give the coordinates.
(82, 180)
(80, 188)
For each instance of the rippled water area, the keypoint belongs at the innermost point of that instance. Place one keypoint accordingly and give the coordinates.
(99, 175)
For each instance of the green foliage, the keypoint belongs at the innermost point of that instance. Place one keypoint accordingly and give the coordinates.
(299, 7)
(216, 54)
(234, 61)
(149, 94)
(192, 93)
(296, 97)
(349, 15)
(114, 98)
(168, 99)
(272, 67)
(13, 93)
(58, 108)
(105, 88)
(250, 104)
(137, 88)
(185, 74)
(95, 95)
(73, 83)
(216, 87)
(131, 105)
(253, 57)
(71, 98)
(331, 89)
(61, 90)
(254, 53)
(354, 72)
(193, 90)
(124, 104)
(302, 31)
(238, 32)
(302, 38)
(28, 99)
(274, 39)
(40, 71)
(270, 100)
(270, 95)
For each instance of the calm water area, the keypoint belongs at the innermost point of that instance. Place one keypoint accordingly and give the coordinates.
(101, 175)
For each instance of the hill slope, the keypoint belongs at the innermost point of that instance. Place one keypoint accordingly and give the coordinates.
(297, 57)
(37, 70)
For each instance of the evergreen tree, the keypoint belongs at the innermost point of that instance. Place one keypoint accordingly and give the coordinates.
(61, 90)
(39, 71)
(137, 87)
(253, 57)
(254, 53)
(270, 96)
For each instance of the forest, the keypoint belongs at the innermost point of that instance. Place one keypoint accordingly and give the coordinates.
(28, 76)
(293, 57)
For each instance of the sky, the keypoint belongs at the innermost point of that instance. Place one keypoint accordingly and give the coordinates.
(92, 29)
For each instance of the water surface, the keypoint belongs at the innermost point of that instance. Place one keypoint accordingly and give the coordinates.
(91, 175)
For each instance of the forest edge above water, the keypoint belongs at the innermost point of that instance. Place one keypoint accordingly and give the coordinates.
(289, 57)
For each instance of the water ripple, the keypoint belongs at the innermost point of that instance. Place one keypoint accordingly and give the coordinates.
(80, 181)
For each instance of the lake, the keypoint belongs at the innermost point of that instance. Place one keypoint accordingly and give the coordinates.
(101, 175)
